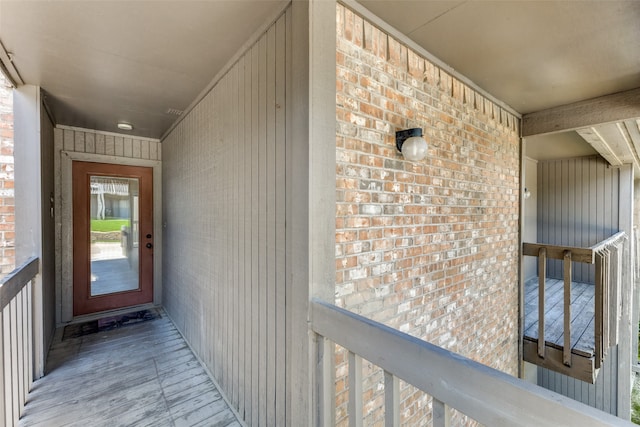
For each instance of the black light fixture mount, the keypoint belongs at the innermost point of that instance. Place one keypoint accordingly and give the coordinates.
(415, 148)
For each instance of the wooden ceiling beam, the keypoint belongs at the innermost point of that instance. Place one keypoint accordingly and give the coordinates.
(605, 109)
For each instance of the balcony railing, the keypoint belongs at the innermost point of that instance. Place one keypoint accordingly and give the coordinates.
(572, 338)
(486, 395)
(18, 339)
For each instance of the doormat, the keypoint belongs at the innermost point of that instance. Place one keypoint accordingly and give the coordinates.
(109, 323)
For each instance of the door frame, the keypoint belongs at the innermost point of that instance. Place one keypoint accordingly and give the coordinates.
(64, 287)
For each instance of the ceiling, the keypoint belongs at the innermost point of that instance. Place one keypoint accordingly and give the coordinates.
(136, 61)
(141, 62)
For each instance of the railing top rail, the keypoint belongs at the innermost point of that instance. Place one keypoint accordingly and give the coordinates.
(489, 396)
(611, 241)
(13, 283)
(586, 255)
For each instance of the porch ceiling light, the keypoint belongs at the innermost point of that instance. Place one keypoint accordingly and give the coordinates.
(411, 144)
(125, 126)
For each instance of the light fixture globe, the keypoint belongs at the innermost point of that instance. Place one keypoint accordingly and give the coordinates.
(411, 144)
(414, 149)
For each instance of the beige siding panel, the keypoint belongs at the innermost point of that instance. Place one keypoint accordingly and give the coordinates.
(153, 150)
(69, 142)
(136, 148)
(109, 146)
(119, 146)
(100, 144)
(280, 216)
(224, 279)
(144, 149)
(248, 236)
(79, 142)
(127, 147)
(90, 143)
(270, 235)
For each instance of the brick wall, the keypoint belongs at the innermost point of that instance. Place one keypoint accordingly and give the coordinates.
(7, 218)
(429, 247)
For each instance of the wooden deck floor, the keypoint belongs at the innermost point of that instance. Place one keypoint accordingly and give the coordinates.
(582, 315)
(138, 375)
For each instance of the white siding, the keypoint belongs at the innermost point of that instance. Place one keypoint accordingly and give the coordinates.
(224, 180)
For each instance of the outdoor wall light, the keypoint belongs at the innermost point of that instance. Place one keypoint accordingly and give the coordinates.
(411, 144)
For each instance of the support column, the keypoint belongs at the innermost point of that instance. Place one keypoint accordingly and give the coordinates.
(628, 295)
(311, 185)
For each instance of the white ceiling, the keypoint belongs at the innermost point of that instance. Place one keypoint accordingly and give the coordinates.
(104, 61)
(533, 55)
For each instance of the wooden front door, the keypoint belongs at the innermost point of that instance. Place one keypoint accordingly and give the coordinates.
(112, 236)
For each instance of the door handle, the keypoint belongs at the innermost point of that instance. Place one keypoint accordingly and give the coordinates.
(149, 245)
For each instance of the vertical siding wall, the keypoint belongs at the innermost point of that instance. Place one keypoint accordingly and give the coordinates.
(429, 247)
(577, 206)
(224, 179)
(602, 395)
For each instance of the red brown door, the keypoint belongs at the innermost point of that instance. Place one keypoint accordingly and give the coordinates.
(112, 236)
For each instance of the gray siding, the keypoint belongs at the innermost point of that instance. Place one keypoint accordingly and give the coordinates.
(577, 206)
(602, 395)
(224, 180)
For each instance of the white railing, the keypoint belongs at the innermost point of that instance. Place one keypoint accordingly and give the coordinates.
(486, 395)
(17, 340)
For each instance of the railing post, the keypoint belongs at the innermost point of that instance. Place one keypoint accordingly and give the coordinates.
(614, 292)
(391, 400)
(441, 414)
(3, 405)
(38, 331)
(355, 390)
(15, 357)
(325, 382)
(542, 271)
(566, 351)
(7, 368)
(605, 301)
(598, 310)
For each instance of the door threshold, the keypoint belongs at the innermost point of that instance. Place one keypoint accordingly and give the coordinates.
(118, 312)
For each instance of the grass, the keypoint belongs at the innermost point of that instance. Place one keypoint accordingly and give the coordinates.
(635, 393)
(108, 225)
(635, 402)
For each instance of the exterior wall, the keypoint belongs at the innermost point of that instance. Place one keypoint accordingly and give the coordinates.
(431, 247)
(226, 184)
(602, 395)
(7, 203)
(34, 224)
(48, 261)
(92, 145)
(577, 206)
